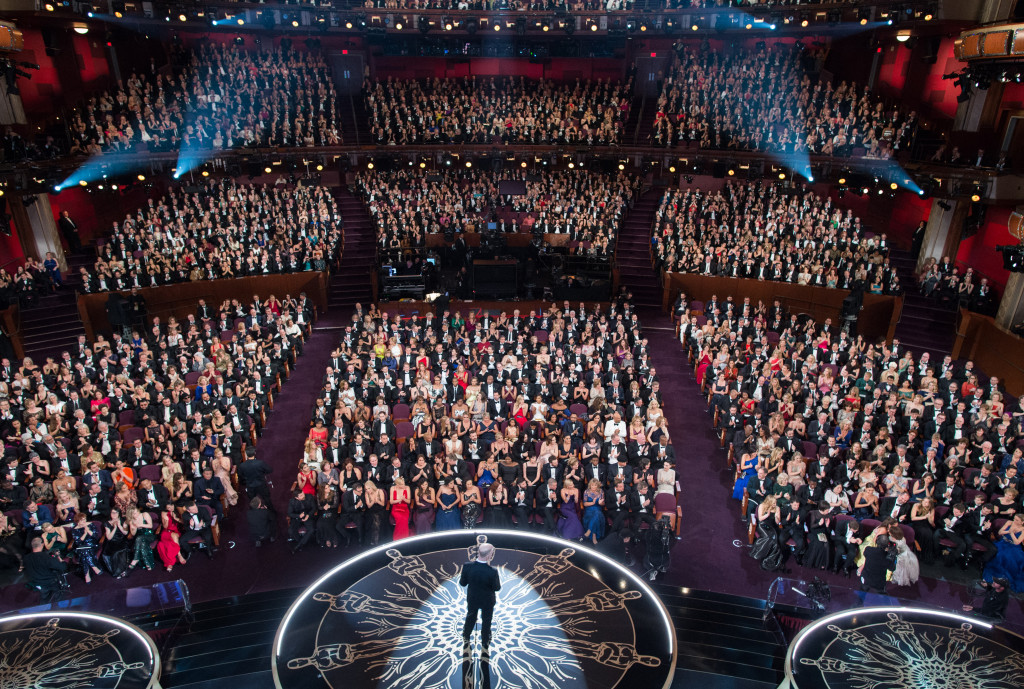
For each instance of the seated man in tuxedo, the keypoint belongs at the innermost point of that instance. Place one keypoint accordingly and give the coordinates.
(196, 524)
(547, 505)
(522, 503)
(641, 506)
(208, 490)
(616, 504)
(152, 497)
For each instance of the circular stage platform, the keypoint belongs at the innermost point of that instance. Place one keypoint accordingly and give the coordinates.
(567, 617)
(898, 648)
(76, 649)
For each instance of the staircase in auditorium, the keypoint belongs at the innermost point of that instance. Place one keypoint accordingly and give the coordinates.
(926, 325)
(633, 253)
(53, 325)
(351, 282)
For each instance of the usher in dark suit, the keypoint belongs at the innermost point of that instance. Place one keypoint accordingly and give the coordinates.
(481, 582)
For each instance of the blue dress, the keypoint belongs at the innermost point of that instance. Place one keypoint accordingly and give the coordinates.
(569, 524)
(1008, 562)
(593, 520)
(486, 479)
(740, 487)
(448, 517)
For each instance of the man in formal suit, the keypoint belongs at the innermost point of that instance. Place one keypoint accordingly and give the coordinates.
(641, 505)
(547, 504)
(69, 229)
(254, 475)
(522, 503)
(353, 509)
(879, 559)
(152, 497)
(482, 583)
(208, 490)
(95, 502)
(616, 504)
(196, 524)
(896, 507)
(301, 515)
(977, 530)
(952, 528)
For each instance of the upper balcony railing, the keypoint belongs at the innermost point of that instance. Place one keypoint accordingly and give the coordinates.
(535, 17)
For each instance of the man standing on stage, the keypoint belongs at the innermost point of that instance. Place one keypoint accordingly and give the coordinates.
(481, 582)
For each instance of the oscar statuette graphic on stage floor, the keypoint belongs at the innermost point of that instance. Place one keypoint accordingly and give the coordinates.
(565, 617)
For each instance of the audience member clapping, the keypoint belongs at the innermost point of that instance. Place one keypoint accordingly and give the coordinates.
(765, 100)
(408, 206)
(224, 230)
(510, 111)
(766, 232)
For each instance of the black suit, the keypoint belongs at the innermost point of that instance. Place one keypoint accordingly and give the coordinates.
(482, 583)
(43, 572)
(196, 525)
(877, 562)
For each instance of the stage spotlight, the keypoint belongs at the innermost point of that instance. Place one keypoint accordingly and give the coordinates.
(295, 23)
(975, 197)
(593, 27)
(497, 26)
(522, 164)
(81, 29)
(572, 165)
(842, 180)
(469, 164)
(319, 168)
(83, 183)
(49, 7)
(894, 186)
(369, 165)
(423, 165)
(182, 18)
(205, 173)
(805, 20)
(643, 26)
(348, 23)
(398, 25)
(447, 24)
(267, 170)
(621, 166)
(782, 175)
(864, 190)
(732, 172)
(671, 168)
(903, 35)
(928, 17)
(141, 177)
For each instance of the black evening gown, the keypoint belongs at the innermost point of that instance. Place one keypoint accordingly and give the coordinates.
(766, 548)
(818, 543)
(115, 554)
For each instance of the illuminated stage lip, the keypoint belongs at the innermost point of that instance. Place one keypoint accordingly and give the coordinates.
(109, 652)
(569, 613)
(850, 649)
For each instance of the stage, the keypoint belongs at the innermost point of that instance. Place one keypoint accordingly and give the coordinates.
(901, 647)
(567, 617)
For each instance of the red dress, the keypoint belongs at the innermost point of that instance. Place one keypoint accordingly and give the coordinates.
(400, 513)
(167, 548)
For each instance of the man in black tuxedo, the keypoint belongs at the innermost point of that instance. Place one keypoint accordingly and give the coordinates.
(196, 524)
(879, 559)
(353, 509)
(952, 528)
(69, 229)
(522, 503)
(254, 475)
(482, 583)
(977, 528)
(616, 504)
(152, 497)
(641, 506)
(896, 507)
(208, 490)
(301, 514)
(547, 504)
(793, 525)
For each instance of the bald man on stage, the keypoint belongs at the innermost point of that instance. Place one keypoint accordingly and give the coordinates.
(482, 583)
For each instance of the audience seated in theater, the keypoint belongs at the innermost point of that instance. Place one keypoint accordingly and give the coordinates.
(479, 412)
(407, 206)
(764, 232)
(764, 99)
(219, 96)
(856, 429)
(489, 110)
(131, 431)
(224, 230)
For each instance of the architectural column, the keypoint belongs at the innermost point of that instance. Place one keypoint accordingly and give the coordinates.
(942, 234)
(37, 228)
(1011, 306)
(11, 109)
